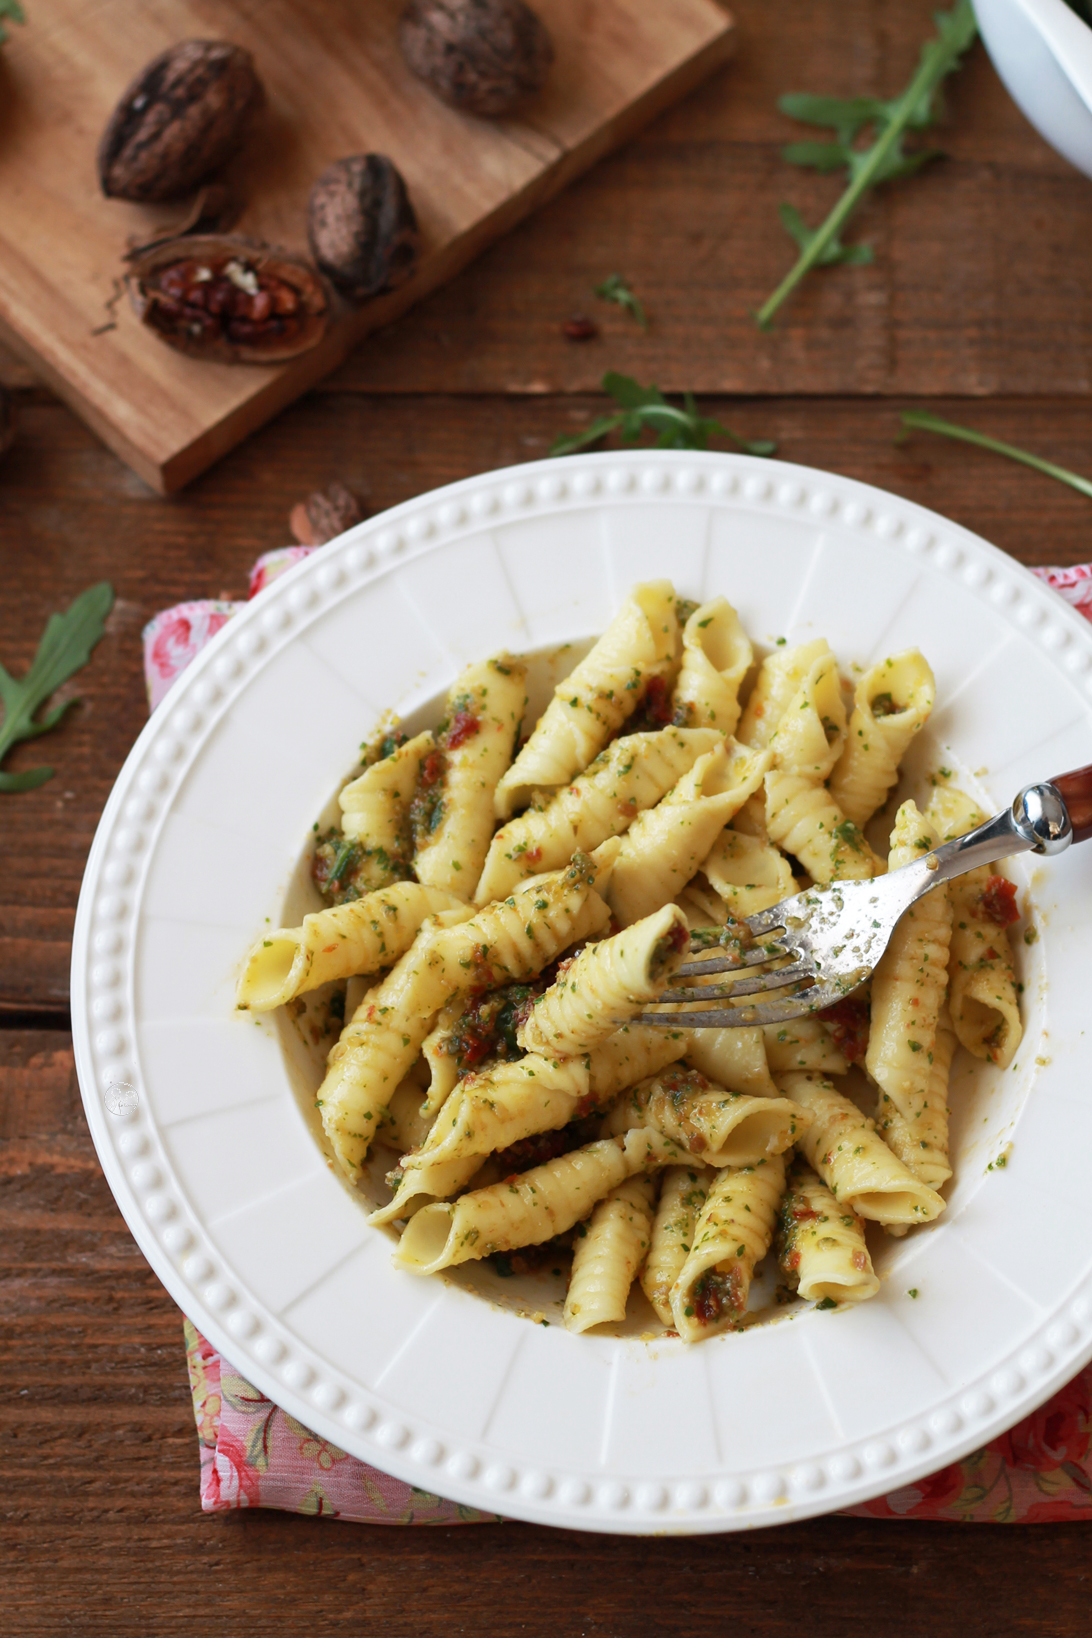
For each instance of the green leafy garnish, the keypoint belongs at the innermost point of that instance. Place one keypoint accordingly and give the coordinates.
(65, 647)
(884, 160)
(614, 288)
(923, 421)
(834, 252)
(13, 11)
(645, 409)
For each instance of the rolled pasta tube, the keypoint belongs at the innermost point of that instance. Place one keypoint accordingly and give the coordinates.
(892, 703)
(665, 845)
(404, 1125)
(511, 1101)
(629, 1055)
(982, 994)
(631, 774)
(502, 1105)
(779, 677)
(375, 807)
(358, 937)
(733, 1058)
(608, 1254)
(804, 819)
(908, 990)
(516, 937)
(700, 905)
(716, 656)
(527, 1209)
(608, 982)
(747, 873)
(717, 1127)
(484, 711)
(843, 1146)
(516, 1100)
(506, 941)
(921, 1140)
(802, 1043)
(424, 1184)
(821, 1245)
(811, 730)
(595, 699)
(682, 1196)
(376, 1048)
(732, 1235)
(443, 1070)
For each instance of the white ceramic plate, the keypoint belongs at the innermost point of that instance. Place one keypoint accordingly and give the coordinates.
(204, 1136)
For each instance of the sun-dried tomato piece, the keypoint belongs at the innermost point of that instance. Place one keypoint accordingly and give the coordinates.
(847, 1022)
(999, 901)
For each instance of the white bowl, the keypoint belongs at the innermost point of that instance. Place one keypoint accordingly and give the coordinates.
(205, 1137)
(1043, 52)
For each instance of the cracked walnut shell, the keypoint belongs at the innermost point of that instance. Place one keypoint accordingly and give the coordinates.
(234, 300)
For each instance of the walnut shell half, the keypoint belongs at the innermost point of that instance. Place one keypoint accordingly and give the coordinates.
(179, 122)
(234, 300)
(482, 56)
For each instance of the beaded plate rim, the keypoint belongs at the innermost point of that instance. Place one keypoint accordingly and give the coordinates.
(133, 1159)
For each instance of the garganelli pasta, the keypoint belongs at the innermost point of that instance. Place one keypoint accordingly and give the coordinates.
(498, 910)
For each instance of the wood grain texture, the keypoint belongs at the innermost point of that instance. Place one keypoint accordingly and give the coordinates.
(979, 306)
(99, 1455)
(978, 286)
(70, 514)
(335, 84)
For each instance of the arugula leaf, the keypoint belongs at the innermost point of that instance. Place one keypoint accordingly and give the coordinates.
(646, 409)
(614, 288)
(64, 648)
(923, 421)
(884, 160)
(835, 250)
(12, 10)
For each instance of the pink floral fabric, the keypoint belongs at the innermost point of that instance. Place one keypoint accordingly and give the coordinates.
(176, 636)
(253, 1454)
(1074, 584)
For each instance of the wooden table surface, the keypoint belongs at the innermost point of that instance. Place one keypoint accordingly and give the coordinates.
(979, 305)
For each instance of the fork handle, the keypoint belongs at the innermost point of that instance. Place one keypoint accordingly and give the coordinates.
(1040, 820)
(1075, 790)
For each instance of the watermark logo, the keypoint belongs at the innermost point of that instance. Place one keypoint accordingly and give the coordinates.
(119, 1097)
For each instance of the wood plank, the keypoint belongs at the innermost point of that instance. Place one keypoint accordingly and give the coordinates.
(74, 515)
(979, 284)
(99, 1455)
(333, 87)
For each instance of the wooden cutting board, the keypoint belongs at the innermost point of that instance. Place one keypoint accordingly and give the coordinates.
(335, 85)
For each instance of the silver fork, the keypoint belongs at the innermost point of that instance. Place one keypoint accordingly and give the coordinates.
(832, 937)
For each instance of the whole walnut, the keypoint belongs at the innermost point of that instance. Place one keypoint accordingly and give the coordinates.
(179, 122)
(361, 226)
(482, 56)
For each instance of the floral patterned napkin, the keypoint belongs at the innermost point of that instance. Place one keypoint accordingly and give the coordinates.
(253, 1454)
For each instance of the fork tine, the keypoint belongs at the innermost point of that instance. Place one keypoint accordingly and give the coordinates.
(770, 950)
(766, 1012)
(766, 921)
(779, 979)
